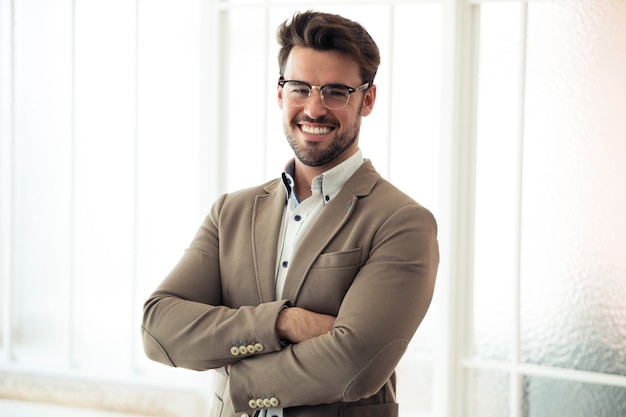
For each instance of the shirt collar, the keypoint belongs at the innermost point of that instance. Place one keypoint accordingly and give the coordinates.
(328, 184)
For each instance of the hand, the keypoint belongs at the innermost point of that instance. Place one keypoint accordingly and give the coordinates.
(296, 324)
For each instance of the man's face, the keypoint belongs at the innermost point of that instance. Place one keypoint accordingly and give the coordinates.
(320, 136)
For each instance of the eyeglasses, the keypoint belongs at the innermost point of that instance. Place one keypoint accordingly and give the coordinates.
(334, 96)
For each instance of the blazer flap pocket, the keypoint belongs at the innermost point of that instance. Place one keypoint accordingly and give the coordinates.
(341, 259)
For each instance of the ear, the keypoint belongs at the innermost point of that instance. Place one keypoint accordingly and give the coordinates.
(279, 91)
(368, 101)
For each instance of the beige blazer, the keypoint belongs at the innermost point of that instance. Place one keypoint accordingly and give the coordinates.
(370, 260)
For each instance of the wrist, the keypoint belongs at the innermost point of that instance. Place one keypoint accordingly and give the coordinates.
(281, 326)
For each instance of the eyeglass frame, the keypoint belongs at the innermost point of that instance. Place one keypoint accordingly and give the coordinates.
(364, 86)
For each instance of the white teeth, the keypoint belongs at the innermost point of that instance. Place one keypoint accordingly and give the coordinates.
(315, 130)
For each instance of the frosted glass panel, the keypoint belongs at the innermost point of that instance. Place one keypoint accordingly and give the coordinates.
(497, 170)
(488, 394)
(555, 398)
(573, 241)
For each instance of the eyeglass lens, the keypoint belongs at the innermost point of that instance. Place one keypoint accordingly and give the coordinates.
(333, 97)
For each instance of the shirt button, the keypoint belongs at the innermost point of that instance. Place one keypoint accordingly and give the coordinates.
(297, 217)
(327, 198)
(285, 263)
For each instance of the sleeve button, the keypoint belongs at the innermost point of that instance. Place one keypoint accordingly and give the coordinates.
(234, 351)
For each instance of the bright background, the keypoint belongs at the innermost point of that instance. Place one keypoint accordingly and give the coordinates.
(121, 122)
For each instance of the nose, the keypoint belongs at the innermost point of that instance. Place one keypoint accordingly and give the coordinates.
(314, 107)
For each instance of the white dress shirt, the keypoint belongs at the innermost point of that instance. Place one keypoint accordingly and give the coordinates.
(299, 216)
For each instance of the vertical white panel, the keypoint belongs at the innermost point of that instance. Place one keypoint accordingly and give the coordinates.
(244, 99)
(6, 175)
(43, 138)
(456, 202)
(210, 160)
(104, 182)
(497, 172)
(416, 102)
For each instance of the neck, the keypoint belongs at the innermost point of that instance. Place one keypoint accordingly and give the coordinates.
(304, 174)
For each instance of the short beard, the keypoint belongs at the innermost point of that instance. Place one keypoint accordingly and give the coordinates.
(314, 155)
(311, 154)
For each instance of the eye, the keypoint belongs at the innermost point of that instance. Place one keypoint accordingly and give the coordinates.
(335, 92)
(295, 88)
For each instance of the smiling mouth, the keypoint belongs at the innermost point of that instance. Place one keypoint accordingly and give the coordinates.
(316, 130)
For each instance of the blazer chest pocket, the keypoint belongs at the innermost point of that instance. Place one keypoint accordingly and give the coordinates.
(329, 279)
(345, 259)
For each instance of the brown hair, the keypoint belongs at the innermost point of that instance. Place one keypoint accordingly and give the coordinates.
(325, 32)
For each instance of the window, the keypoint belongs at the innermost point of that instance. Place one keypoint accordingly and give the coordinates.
(548, 320)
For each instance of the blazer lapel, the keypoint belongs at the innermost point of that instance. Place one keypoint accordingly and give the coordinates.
(267, 217)
(328, 224)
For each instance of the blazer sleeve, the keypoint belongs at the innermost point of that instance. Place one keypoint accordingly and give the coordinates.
(185, 322)
(379, 314)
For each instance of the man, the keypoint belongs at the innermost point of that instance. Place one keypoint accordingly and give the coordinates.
(305, 291)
